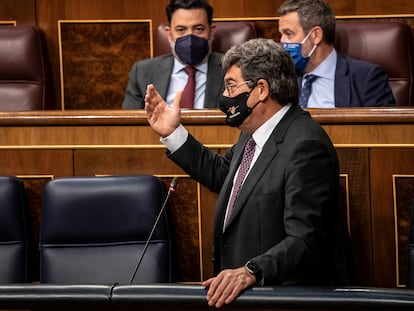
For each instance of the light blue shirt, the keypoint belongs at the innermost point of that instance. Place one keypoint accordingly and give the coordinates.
(179, 80)
(323, 89)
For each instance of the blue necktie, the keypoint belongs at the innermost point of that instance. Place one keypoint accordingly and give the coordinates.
(306, 90)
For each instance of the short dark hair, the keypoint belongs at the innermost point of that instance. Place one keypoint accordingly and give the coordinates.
(312, 13)
(187, 5)
(265, 59)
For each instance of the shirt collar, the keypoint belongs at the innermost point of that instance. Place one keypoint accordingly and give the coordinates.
(262, 134)
(178, 66)
(326, 69)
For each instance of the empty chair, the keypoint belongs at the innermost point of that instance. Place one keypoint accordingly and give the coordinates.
(227, 34)
(25, 74)
(386, 43)
(14, 245)
(94, 230)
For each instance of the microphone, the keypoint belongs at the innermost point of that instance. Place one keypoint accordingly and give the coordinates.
(171, 189)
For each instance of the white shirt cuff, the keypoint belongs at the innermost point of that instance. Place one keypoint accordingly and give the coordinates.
(176, 139)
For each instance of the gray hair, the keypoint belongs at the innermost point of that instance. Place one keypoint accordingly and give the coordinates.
(265, 59)
(312, 13)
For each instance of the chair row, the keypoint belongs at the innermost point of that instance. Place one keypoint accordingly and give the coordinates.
(26, 78)
(93, 230)
(387, 43)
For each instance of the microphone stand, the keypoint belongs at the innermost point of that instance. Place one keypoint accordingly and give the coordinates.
(171, 189)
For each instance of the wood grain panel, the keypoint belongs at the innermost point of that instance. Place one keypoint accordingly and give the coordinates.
(384, 163)
(403, 186)
(96, 57)
(354, 162)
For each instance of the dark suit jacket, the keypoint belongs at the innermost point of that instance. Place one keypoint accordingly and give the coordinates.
(361, 84)
(286, 216)
(158, 70)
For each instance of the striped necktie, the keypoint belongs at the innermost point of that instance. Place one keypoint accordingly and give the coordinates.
(243, 169)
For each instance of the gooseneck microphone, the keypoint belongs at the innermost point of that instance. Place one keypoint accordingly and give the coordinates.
(171, 189)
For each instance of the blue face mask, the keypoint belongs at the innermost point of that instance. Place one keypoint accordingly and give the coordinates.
(295, 51)
(191, 49)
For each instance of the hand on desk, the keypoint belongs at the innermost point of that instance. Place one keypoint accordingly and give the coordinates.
(227, 285)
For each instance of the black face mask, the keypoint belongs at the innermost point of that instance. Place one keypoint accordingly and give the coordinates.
(236, 108)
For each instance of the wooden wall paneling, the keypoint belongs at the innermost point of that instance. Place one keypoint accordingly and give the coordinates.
(245, 8)
(385, 163)
(354, 163)
(96, 57)
(7, 23)
(403, 192)
(207, 210)
(22, 11)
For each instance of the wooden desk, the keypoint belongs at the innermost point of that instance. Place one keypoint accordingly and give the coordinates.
(375, 148)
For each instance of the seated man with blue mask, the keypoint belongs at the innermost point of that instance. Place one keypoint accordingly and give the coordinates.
(327, 78)
(191, 66)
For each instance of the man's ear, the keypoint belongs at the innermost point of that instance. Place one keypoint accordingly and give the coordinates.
(317, 35)
(263, 88)
(213, 29)
(168, 33)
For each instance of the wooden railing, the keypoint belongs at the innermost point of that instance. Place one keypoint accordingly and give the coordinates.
(375, 147)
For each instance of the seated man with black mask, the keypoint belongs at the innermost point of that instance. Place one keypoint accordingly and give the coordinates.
(190, 33)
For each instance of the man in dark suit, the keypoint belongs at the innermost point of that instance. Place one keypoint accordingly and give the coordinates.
(190, 33)
(279, 225)
(307, 30)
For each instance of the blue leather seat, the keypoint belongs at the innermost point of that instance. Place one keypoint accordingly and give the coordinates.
(14, 246)
(94, 230)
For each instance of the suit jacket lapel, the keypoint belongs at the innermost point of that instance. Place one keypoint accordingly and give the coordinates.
(267, 156)
(163, 74)
(342, 88)
(223, 197)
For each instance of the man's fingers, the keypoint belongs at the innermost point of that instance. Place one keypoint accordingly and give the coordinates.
(177, 99)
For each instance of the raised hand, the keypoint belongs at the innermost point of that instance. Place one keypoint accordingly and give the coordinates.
(164, 119)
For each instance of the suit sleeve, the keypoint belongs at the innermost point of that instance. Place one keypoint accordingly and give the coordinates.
(205, 166)
(377, 91)
(134, 97)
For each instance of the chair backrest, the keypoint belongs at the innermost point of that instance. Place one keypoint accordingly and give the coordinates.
(94, 230)
(227, 34)
(386, 43)
(14, 244)
(25, 73)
